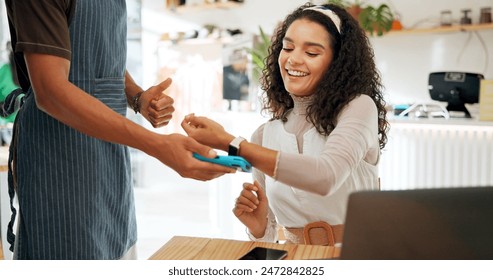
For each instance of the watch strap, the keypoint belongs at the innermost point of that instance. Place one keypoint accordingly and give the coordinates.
(234, 146)
(136, 102)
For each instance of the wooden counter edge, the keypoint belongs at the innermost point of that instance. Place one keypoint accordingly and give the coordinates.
(180, 248)
(200, 248)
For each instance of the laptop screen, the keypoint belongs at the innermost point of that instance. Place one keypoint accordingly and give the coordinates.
(446, 223)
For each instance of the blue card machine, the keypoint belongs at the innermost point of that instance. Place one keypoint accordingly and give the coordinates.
(230, 161)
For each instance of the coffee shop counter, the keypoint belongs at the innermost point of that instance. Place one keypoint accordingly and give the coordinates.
(437, 152)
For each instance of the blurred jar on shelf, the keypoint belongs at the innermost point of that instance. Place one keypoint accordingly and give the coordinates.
(446, 18)
(485, 15)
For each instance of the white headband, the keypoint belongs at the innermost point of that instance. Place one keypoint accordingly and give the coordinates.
(333, 16)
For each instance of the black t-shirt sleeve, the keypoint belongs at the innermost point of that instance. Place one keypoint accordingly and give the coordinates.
(42, 26)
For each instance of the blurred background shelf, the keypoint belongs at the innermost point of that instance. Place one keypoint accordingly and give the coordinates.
(443, 29)
(205, 6)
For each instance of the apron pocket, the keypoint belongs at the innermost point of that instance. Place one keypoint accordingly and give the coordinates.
(111, 91)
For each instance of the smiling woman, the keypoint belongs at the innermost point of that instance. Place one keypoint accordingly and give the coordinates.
(327, 128)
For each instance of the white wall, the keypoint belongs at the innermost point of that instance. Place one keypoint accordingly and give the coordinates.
(406, 61)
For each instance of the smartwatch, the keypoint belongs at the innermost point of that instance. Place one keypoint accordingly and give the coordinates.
(234, 146)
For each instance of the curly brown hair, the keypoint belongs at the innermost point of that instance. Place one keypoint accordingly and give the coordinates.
(352, 72)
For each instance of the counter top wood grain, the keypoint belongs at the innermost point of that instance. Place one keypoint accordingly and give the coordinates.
(199, 248)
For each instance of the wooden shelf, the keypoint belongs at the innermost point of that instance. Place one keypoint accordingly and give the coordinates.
(208, 6)
(445, 29)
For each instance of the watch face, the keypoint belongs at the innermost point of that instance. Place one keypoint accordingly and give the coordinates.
(234, 146)
(232, 151)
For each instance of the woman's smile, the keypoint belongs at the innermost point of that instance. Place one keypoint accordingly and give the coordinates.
(305, 57)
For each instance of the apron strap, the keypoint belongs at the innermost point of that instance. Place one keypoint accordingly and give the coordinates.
(12, 102)
(12, 181)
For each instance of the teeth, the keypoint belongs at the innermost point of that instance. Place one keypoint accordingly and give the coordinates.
(297, 73)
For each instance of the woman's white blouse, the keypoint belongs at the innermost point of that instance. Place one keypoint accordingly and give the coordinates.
(315, 174)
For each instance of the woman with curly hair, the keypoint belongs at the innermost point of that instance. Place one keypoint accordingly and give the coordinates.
(327, 129)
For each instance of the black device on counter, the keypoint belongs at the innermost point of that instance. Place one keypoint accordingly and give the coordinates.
(261, 253)
(456, 88)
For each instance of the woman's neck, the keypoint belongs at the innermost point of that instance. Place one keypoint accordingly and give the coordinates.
(301, 103)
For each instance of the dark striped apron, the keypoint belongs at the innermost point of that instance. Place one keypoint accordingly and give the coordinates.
(75, 192)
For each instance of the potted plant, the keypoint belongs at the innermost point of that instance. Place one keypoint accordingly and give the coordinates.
(376, 19)
(259, 52)
(373, 19)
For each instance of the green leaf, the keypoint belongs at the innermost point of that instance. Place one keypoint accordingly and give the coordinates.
(376, 19)
(259, 52)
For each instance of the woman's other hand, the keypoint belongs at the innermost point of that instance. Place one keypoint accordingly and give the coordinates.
(251, 208)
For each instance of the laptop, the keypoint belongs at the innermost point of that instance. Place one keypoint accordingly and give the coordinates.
(421, 224)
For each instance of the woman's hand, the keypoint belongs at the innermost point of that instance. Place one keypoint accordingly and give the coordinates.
(156, 106)
(207, 132)
(251, 208)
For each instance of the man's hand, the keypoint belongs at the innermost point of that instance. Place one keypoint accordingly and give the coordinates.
(177, 153)
(156, 106)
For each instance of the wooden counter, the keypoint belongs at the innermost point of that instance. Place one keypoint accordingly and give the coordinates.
(198, 248)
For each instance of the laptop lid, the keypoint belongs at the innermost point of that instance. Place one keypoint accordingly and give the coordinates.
(450, 223)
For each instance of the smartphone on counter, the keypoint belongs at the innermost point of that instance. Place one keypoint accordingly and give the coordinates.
(262, 253)
(230, 161)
